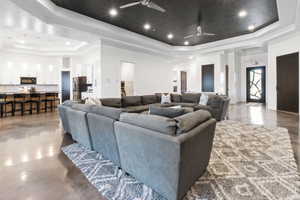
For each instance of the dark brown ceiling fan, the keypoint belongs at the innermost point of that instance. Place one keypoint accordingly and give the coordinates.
(199, 30)
(199, 33)
(146, 3)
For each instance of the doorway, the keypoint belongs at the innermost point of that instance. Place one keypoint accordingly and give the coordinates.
(288, 83)
(208, 78)
(256, 84)
(183, 81)
(127, 78)
(65, 85)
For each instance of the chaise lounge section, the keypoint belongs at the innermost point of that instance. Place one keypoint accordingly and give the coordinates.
(167, 154)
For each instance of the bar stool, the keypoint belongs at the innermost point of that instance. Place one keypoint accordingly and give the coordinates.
(43, 102)
(50, 98)
(35, 100)
(57, 100)
(3, 103)
(20, 99)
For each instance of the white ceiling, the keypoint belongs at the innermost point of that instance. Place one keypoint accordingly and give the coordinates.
(48, 27)
(21, 31)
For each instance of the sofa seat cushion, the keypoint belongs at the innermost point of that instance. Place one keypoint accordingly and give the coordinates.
(160, 124)
(136, 109)
(190, 98)
(110, 112)
(149, 99)
(165, 112)
(131, 101)
(164, 105)
(189, 121)
(185, 104)
(111, 102)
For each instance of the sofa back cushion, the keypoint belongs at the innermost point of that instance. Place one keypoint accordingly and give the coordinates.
(189, 121)
(149, 99)
(158, 95)
(112, 102)
(214, 101)
(83, 107)
(62, 110)
(79, 127)
(176, 98)
(166, 112)
(113, 113)
(68, 103)
(103, 136)
(190, 97)
(131, 101)
(153, 122)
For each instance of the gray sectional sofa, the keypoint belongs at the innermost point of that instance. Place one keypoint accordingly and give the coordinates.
(167, 154)
(217, 105)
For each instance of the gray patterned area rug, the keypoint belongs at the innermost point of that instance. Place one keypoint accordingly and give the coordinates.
(248, 162)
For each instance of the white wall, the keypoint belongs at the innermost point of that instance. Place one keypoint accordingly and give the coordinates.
(15, 65)
(89, 64)
(194, 72)
(279, 47)
(152, 73)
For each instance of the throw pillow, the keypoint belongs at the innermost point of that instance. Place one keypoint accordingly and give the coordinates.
(93, 101)
(203, 99)
(165, 99)
(166, 112)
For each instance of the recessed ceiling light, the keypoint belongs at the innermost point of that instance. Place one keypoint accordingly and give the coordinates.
(186, 43)
(147, 26)
(170, 36)
(251, 27)
(243, 13)
(22, 41)
(113, 12)
(68, 43)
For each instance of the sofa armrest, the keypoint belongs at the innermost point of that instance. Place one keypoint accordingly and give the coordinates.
(151, 157)
(196, 146)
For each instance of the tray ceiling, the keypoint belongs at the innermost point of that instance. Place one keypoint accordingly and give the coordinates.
(182, 17)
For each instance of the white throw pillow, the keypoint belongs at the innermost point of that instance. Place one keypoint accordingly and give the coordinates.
(165, 99)
(203, 99)
(93, 101)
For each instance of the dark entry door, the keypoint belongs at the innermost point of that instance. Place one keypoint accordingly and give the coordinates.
(183, 79)
(256, 84)
(288, 83)
(65, 86)
(208, 83)
(227, 79)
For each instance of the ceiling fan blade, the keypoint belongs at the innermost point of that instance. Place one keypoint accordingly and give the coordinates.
(209, 34)
(156, 7)
(189, 36)
(130, 4)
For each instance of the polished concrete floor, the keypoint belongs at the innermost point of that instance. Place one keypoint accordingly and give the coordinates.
(32, 166)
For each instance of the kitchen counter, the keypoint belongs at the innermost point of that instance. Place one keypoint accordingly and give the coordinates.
(20, 92)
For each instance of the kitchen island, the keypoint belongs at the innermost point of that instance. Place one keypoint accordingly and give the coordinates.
(24, 102)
